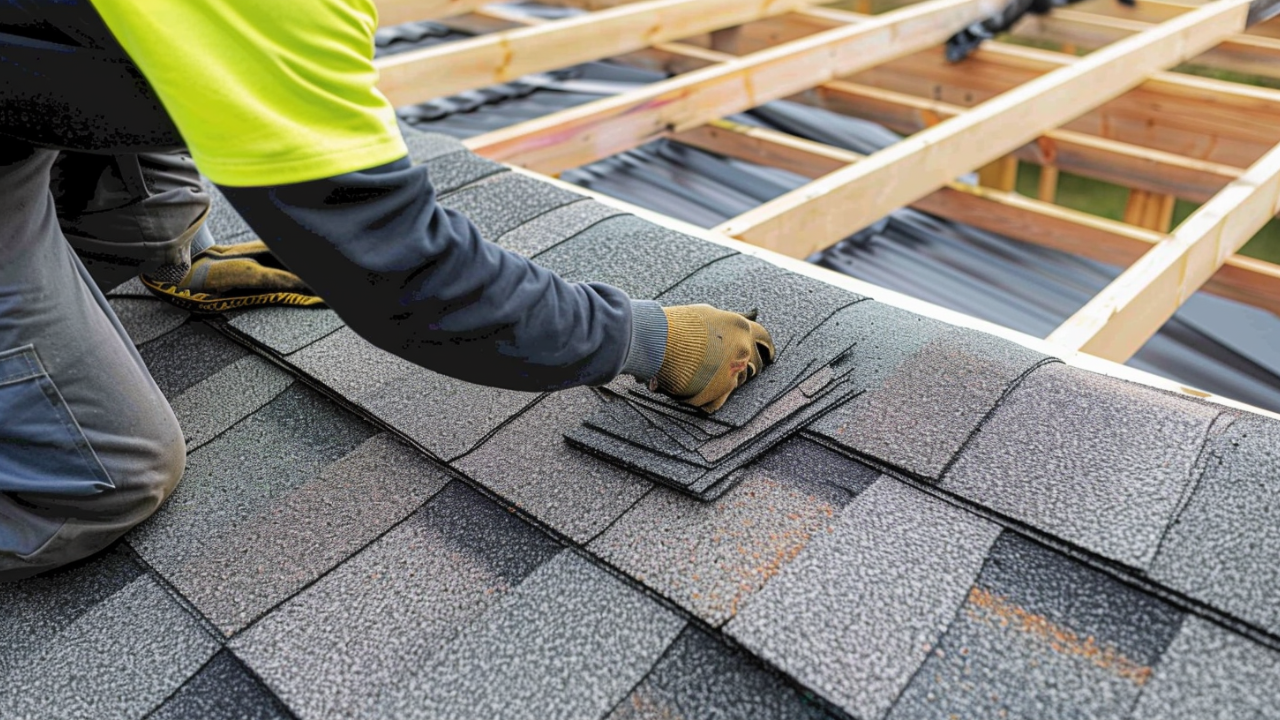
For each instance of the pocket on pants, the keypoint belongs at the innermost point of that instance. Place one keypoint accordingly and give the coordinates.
(42, 448)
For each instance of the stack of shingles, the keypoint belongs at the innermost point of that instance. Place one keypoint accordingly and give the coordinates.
(811, 323)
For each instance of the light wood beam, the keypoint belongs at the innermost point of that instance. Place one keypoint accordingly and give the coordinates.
(1246, 54)
(1246, 280)
(1149, 210)
(826, 210)
(1000, 174)
(1118, 321)
(589, 132)
(394, 12)
(420, 75)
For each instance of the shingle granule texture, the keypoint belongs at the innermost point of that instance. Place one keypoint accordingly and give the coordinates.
(529, 464)
(36, 609)
(349, 365)
(118, 660)
(223, 399)
(452, 171)
(569, 642)
(1042, 636)
(711, 557)
(611, 251)
(424, 147)
(224, 223)
(188, 355)
(359, 639)
(700, 677)
(146, 319)
(877, 593)
(918, 418)
(1112, 460)
(1224, 548)
(285, 329)
(236, 483)
(506, 202)
(222, 690)
(1210, 673)
(554, 227)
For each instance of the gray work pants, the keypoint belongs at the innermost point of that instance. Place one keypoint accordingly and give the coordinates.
(88, 445)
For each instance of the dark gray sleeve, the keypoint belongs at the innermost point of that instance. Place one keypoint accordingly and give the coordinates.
(417, 280)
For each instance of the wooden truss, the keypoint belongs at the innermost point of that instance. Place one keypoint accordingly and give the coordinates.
(1120, 113)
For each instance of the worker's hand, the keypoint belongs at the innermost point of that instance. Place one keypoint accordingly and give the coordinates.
(709, 354)
(227, 277)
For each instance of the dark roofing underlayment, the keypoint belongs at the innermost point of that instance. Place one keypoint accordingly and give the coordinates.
(980, 532)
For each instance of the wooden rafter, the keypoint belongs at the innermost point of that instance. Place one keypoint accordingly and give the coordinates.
(576, 136)
(1243, 279)
(1118, 321)
(416, 76)
(830, 208)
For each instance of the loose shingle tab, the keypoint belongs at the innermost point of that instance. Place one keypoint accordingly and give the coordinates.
(551, 229)
(1042, 636)
(575, 493)
(570, 642)
(612, 250)
(270, 467)
(700, 677)
(1209, 673)
(877, 593)
(222, 690)
(146, 319)
(117, 660)
(1224, 548)
(920, 415)
(223, 399)
(285, 329)
(711, 557)
(506, 202)
(1112, 460)
(358, 639)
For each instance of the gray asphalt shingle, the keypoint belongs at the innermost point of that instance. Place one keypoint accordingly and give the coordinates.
(188, 355)
(877, 593)
(1208, 673)
(146, 319)
(918, 414)
(569, 642)
(285, 329)
(1042, 636)
(349, 365)
(1224, 547)
(555, 226)
(223, 399)
(222, 690)
(529, 464)
(701, 677)
(611, 251)
(359, 638)
(116, 660)
(224, 223)
(452, 171)
(1112, 460)
(239, 533)
(506, 202)
(711, 557)
(424, 146)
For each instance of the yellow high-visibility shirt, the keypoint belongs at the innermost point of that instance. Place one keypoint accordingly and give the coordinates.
(264, 92)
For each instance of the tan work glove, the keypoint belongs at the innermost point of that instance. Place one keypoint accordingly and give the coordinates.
(226, 277)
(710, 353)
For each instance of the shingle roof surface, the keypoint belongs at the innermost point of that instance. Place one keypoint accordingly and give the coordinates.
(1026, 542)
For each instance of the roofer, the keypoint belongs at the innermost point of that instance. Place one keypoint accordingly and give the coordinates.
(276, 104)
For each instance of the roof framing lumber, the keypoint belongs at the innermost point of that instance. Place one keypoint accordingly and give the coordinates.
(1243, 279)
(1075, 152)
(577, 136)
(1118, 321)
(1246, 54)
(828, 209)
(394, 12)
(416, 76)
